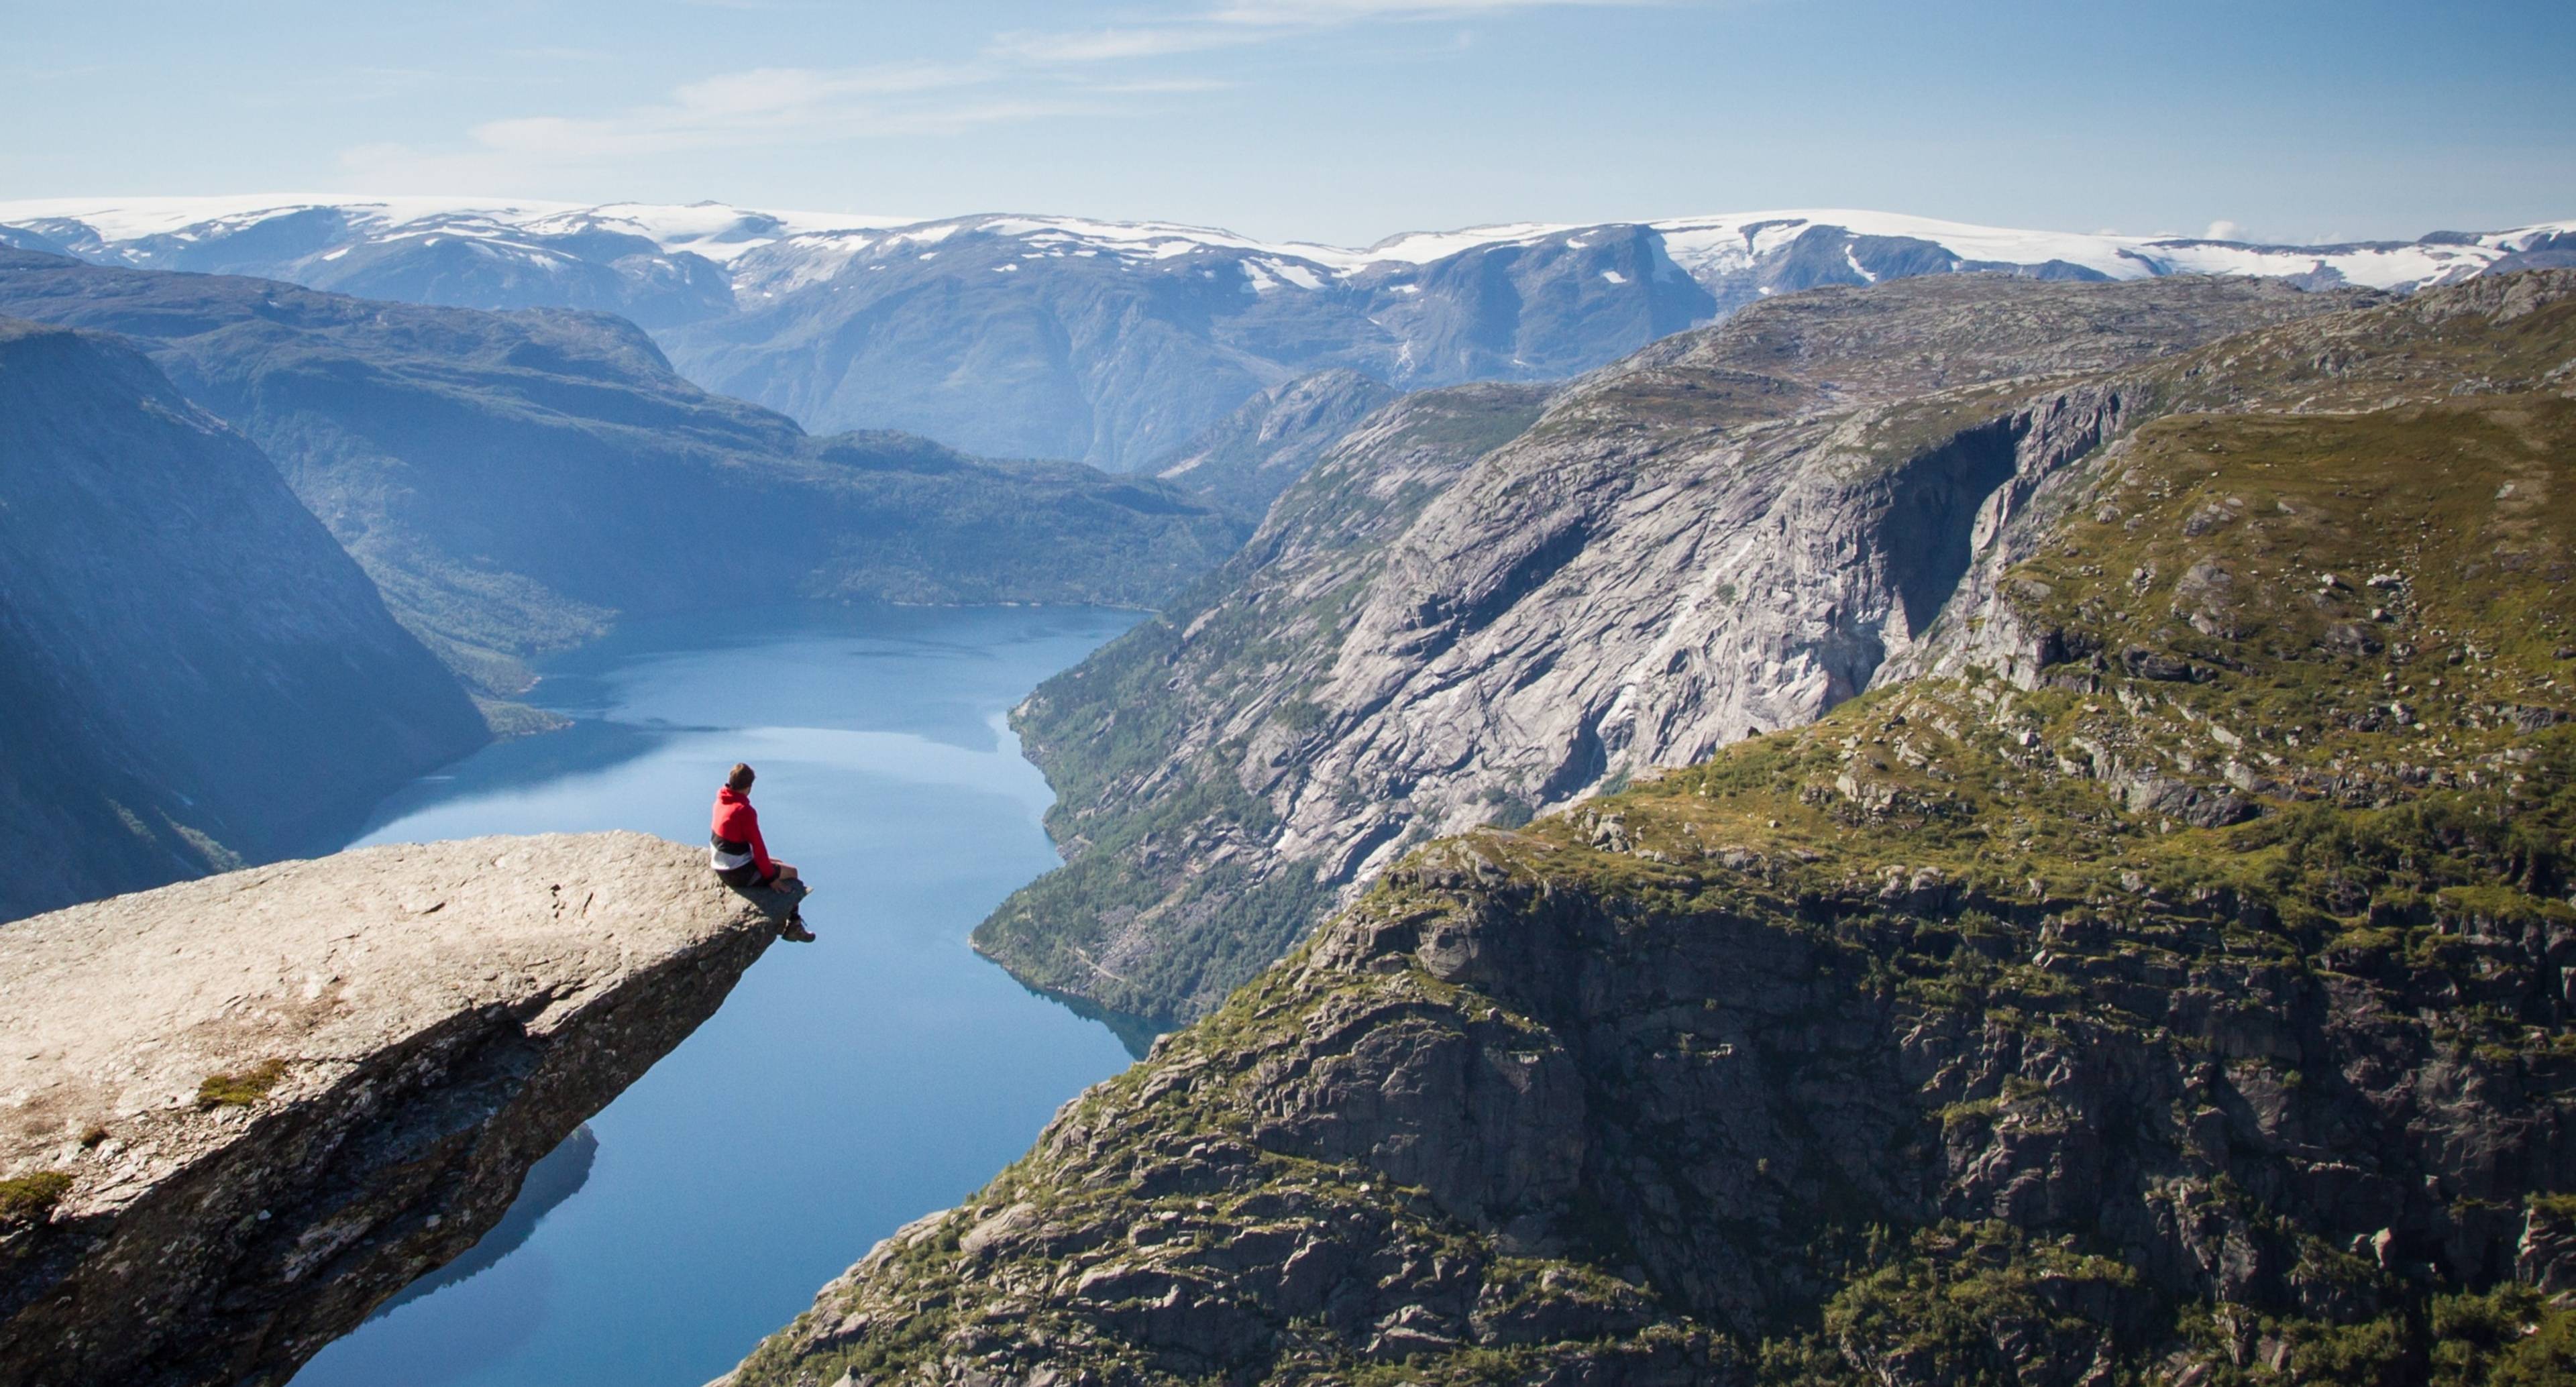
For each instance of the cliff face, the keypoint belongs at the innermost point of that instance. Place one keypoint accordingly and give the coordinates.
(1730, 532)
(237, 1114)
(512, 481)
(194, 673)
(2168, 983)
(1247, 458)
(1169, 882)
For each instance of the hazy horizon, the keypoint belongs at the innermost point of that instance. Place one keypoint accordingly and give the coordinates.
(1335, 121)
(216, 204)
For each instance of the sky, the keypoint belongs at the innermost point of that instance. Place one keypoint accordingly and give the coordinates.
(1342, 121)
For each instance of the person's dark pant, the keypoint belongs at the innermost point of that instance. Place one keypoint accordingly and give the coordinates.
(747, 876)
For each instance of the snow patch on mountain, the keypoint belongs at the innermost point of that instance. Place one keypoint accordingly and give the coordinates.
(1425, 247)
(134, 218)
(1734, 243)
(767, 253)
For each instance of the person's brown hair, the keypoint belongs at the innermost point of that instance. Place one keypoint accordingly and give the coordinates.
(739, 778)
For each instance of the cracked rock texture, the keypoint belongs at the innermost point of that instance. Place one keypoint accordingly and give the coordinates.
(238, 1113)
(1441, 627)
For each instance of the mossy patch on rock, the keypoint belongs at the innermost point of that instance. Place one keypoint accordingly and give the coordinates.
(242, 1089)
(28, 1198)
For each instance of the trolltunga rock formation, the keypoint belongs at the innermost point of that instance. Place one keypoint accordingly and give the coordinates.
(237, 1114)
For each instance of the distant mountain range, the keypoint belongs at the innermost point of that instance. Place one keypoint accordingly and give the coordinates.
(513, 481)
(194, 674)
(1118, 343)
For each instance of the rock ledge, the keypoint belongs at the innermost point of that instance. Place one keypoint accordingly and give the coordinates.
(237, 1114)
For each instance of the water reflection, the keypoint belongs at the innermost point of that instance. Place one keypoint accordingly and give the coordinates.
(847, 1086)
(550, 1182)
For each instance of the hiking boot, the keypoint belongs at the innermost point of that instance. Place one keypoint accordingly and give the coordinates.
(794, 931)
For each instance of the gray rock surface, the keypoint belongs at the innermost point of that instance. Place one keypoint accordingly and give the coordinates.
(1731, 531)
(1247, 458)
(1726, 534)
(268, 1100)
(1915, 1046)
(1169, 873)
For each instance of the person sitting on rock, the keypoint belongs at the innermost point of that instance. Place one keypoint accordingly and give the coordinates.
(740, 857)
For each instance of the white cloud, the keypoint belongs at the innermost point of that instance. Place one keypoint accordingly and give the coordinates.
(1287, 13)
(733, 110)
(1234, 23)
(1112, 45)
(757, 106)
(2223, 230)
(1163, 86)
(559, 54)
(1020, 76)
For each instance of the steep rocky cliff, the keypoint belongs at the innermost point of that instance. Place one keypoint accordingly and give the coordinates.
(1731, 531)
(514, 480)
(1247, 458)
(237, 1114)
(2170, 985)
(193, 673)
(1169, 884)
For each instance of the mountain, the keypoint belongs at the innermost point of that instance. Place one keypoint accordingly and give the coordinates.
(1173, 889)
(658, 266)
(1247, 458)
(195, 674)
(1729, 532)
(514, 480)
(1118, 342)
(2166, 983)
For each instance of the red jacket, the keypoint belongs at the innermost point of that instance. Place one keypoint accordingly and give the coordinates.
(736, 821)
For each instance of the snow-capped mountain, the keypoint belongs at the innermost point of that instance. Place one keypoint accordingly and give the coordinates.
(657, 265)
(1116, 342)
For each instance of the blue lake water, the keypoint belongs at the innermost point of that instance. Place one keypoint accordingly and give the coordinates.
(847, 1086)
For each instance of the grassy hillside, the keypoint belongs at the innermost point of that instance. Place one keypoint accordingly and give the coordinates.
(2171, 986)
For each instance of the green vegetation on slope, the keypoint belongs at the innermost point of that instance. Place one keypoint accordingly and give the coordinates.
(1122, 923)
(515, 481)
(2194, 1010)
(1551, 600)
(192, 673)
(243, 1089)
